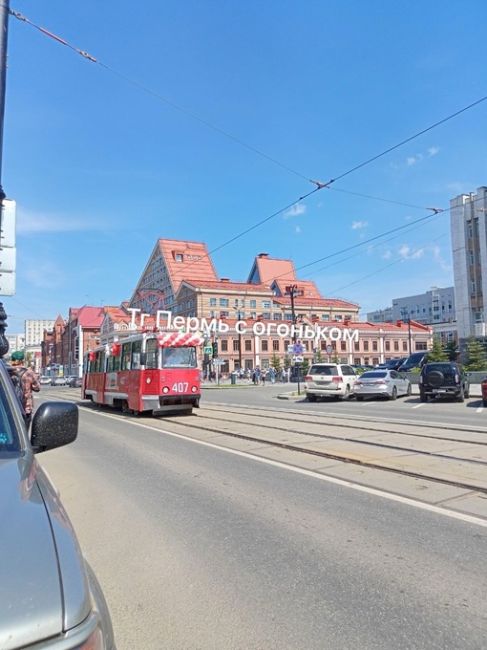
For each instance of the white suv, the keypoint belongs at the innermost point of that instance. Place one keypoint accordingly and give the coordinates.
(329, 380)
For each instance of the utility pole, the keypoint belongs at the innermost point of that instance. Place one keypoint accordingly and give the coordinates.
(239, 337)
(407, 318)
(4, 11)
(292, 291)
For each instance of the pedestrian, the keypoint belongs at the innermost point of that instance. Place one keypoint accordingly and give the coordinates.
(272, 375)
(28, 383)
(263, 377)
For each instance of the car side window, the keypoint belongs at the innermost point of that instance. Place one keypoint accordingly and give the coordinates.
(394, 374)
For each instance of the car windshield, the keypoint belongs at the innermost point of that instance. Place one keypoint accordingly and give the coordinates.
(9, 439)
(374, 375)
(178, 358)
(323, 370)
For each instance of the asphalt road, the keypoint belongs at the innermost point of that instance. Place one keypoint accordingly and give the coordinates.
(196, 547)
(469, 413)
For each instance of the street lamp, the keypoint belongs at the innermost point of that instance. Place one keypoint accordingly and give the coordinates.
(239, 316)
(292, 290)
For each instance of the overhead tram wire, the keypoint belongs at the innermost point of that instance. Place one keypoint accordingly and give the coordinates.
(319, 184)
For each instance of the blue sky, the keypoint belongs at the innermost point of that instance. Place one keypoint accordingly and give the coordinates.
(100, 169)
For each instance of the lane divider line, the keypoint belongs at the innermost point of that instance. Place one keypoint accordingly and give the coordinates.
(471, 519)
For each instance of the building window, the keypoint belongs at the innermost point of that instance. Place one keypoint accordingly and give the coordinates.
(253, 304)
(253, 315)
(266, 315)
(248, 345)
(275, 345)
(323, 345)
(277, 316)
(223, 314)
(265, 345)
(212, 302)
(356, 346)
(288, 316)
(404, 346)
(266, 304)
(396, 346)
(421, 345)
(375, 346)
(236, 346)
(338, 317)
(343, 345)
(224, 345)
(178, 257)
(326, 316)
(366, 346)
(223, 302)
(388, 346)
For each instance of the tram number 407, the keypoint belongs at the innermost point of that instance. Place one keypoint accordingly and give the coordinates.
(180, 387)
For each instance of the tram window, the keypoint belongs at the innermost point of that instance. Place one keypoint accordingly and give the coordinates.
(151, 353)
(178, 357)
(110, 363)
(126, 355)
(116, 362)
(136, 351)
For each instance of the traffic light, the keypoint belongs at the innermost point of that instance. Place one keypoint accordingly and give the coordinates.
(214, 345)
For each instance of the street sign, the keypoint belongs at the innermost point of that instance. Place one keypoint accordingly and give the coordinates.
(298, 359)
(218, 362)
(208, 350)
(290, 349)
(298, 348)
(329, 349)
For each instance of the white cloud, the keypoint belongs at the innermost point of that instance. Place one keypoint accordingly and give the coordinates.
(295, 211)
(432, 151)
(356, 225)
(429, 153)
(407, 253)
(31, 222)
(298, 229)
(387, 255)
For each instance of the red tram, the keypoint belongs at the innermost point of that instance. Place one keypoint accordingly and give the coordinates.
(147, 371)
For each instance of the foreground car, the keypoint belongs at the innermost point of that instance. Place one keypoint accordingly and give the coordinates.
(381, 383)
(329, 380)
(443, 379)
(49, 596)
(483, 386)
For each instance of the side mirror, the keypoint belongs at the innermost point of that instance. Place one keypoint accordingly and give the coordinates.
(54, 424)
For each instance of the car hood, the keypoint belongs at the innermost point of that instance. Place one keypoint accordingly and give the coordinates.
(31, 604)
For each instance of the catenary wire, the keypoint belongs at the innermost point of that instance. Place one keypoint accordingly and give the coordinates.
(319, 184)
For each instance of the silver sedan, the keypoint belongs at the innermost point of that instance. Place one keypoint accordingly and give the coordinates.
(381, 383)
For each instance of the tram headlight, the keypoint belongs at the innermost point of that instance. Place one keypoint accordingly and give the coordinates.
(194, 389)
(165, 390)
(148, 380)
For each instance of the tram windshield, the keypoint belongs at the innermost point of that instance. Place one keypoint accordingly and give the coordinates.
(178, 357)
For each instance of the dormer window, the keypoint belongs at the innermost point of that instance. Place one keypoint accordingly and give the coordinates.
(178, 257)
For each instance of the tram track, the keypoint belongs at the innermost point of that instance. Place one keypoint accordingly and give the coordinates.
(211, 423)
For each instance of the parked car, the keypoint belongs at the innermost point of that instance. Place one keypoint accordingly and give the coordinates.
(381, 383)
(73, 381)
(329, 380)
(49, 596)
(443, 379)
(392, 364)
(58, 381)
(483, 386)
(416, 360)
(45, 380)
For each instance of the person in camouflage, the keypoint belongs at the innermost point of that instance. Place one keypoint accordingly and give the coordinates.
(29, 383)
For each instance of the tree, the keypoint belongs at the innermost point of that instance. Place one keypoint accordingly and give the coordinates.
(304, 367)
(476, 357)
(287, 361)
(451, 350)
(437, 353)
(318, 357)
(275, 362)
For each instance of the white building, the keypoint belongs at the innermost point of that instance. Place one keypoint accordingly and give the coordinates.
(469, 244)
(429, 308)
(15, 342)
(34, 331)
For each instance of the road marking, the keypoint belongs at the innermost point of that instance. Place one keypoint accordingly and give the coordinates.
(471, 519)
(480, 409)
(418, 406)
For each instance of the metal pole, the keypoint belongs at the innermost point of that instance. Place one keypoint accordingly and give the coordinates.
(409, 334)
(4, 11)
(292, 290)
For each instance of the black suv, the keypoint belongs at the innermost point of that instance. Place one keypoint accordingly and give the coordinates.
(443, 379)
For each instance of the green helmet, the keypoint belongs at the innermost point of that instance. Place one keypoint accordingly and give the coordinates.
(18, 355)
